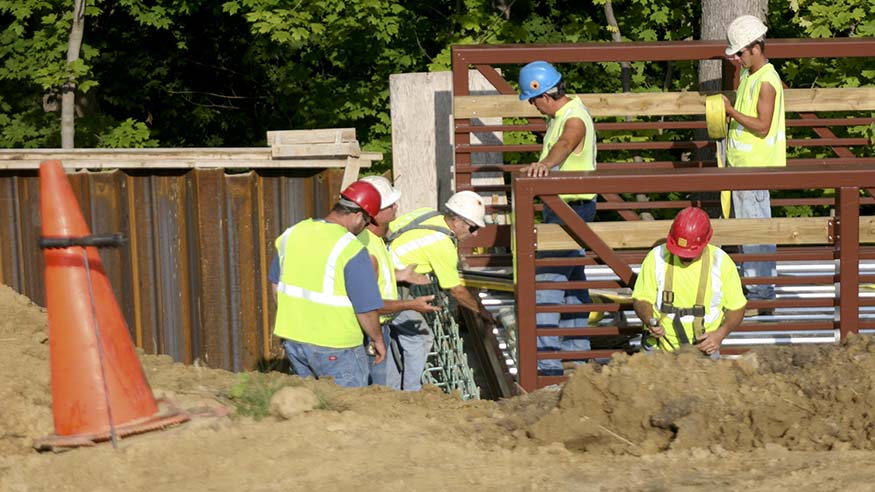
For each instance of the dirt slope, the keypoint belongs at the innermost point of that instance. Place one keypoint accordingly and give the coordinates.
(777, 420)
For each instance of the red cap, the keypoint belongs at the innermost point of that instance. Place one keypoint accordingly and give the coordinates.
(690, 233)
(365, 195)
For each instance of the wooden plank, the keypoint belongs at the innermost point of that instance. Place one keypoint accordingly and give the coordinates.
(664, 103)
(325, 135)
(168, 159)
(279, 151)
(646, 234)
(350, 172)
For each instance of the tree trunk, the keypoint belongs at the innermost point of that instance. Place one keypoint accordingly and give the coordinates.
(617, 36)
(68, 98)
(716, 16)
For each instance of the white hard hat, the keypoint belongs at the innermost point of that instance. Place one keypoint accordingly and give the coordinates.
(743, 31)
(388, 193)
(468, 205)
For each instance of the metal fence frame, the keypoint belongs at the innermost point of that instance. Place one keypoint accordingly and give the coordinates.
(847, 180)
(485, 58)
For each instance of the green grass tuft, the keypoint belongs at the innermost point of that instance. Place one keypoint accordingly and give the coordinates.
(251, 393)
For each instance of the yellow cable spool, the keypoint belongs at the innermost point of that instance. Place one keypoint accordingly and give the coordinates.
(715, 117)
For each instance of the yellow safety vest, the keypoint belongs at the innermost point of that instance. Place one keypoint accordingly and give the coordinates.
(312, 305)
(744, 148)
(386, 269)
(586, 159)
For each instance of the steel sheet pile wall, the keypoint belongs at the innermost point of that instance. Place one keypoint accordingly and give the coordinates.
(192, 281)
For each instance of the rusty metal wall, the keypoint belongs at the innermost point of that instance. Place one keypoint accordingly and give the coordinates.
(192, 281)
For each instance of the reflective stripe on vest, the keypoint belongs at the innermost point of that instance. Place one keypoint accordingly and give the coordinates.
(317, 297)
(414, 244)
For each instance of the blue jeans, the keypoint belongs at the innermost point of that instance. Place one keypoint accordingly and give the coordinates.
(755, 204)
(379, 371)
(348, 366)
(411, 339)
(586, 211)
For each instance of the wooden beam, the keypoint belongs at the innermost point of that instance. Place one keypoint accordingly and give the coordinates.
(646, 234)
(281, 151)
(326, 135)
(165, 158)
(664, 103)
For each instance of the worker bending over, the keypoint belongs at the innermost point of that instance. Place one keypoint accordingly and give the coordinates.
(427, 238)
(387, 276)
(327, 293)
(688, 291)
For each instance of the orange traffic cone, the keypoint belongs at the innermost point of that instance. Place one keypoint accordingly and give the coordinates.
(99, 391)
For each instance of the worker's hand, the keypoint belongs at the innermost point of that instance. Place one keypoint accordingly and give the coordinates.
(727, 104)
(409, 275)
(422, 304)
(535, 170)
(380, 349)
(656, 328)
(710, 342)
(486, 315)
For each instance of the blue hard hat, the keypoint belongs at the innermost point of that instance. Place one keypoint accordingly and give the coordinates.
(537, 78)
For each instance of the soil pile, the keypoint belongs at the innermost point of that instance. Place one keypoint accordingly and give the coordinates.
(642, 423)
(801, 398)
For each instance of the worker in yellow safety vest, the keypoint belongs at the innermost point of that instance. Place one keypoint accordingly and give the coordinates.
(387, 275)
(327, 292)
(427, 238)
(569, 145)
(756, 137)
(688, 291)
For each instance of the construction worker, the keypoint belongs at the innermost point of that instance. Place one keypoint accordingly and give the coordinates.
(688, 291)
(327, 293)
(427, 238)
(756, 137)
(569, 145)
(384, 267)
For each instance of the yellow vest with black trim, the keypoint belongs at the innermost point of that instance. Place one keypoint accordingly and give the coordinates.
(312, 305)
(385, 268)
(744, 148)
(586, 159)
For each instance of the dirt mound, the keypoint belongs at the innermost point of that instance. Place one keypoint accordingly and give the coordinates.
(801, 398)
(378, 439)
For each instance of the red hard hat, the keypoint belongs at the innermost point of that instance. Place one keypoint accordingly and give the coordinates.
(690, 233)
(365, 195)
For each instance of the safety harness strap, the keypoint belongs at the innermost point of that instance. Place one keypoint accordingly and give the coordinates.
(417, 223)
(697, 311)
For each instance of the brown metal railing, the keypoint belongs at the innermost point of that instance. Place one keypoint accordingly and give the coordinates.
(841, 238)
(486, 58)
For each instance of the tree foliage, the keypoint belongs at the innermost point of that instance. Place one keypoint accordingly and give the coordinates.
(180, 73)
